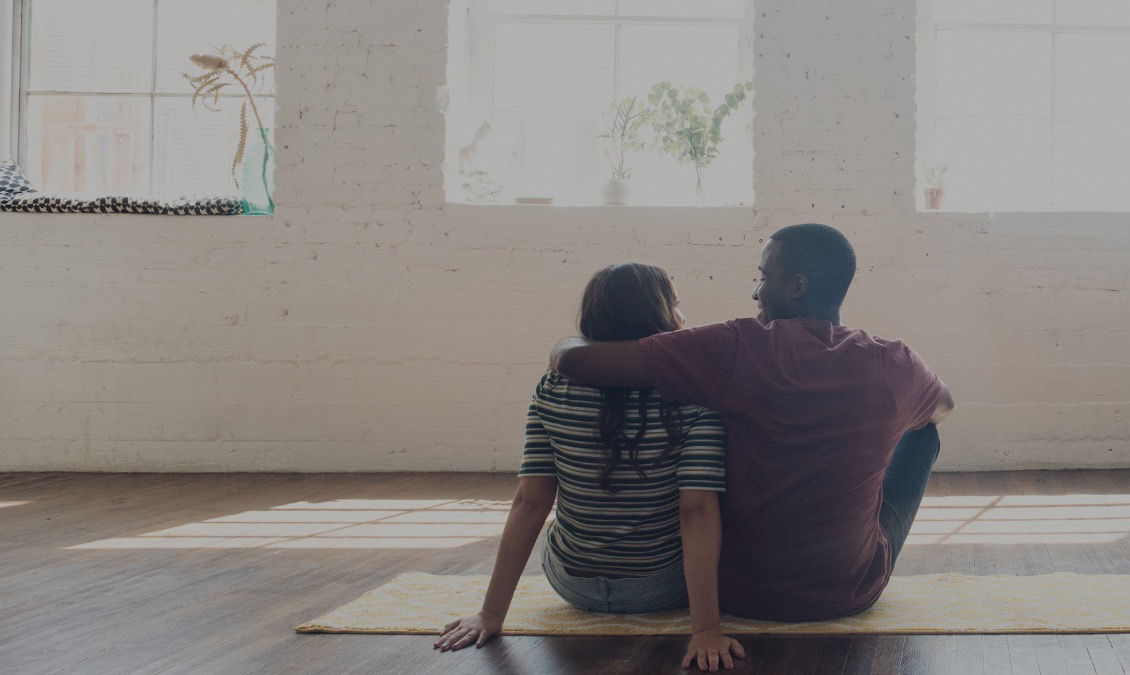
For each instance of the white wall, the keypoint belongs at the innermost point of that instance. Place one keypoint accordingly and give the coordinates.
(369, 327)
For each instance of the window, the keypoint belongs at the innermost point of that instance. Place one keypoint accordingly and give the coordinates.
(103, 104)
(1025, 102)
(7, 100)
(530, 83)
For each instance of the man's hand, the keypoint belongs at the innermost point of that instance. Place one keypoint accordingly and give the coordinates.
(462, 632)
(709, 647)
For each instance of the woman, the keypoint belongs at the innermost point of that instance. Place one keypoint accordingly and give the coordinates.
(636, 481)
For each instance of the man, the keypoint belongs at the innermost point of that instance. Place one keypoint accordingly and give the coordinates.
(823, 478)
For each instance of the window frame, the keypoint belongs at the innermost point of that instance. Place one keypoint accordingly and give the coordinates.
(21, 69)
(927, 99)
(11, 37)
(483, 23)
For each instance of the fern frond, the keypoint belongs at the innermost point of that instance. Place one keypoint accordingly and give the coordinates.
(202, 88)
(260, 68)
(254, 72)
(242, 142)
(214, 93)
(201, 77)
(245, 57)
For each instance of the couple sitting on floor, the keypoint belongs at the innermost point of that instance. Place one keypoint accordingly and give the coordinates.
(820, 439)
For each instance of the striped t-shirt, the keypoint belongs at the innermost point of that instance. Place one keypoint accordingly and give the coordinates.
(634, 531)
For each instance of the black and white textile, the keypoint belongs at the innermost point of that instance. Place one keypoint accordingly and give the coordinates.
(34, 202)
(17, 195)
(12, 181)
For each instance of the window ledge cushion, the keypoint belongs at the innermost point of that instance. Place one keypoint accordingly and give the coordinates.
(36, 202)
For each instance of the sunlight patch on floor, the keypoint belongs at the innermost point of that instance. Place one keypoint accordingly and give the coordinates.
(446, 523)
(342, 523)
(3, 504)
(1022, 519)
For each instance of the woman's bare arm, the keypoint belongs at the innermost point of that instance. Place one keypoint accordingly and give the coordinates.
(701, 525)
(531, 506)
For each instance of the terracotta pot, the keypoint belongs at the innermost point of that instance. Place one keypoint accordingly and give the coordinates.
(934, 197)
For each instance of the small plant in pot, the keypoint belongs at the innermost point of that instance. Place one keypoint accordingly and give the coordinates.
(621, 142)
(936, 184)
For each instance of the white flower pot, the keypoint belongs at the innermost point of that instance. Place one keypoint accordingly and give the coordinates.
(616, 192)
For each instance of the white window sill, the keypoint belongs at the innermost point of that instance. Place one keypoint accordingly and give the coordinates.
(594, 205)
(1041, 222)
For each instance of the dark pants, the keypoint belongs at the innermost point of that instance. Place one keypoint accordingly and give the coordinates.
(904, 483)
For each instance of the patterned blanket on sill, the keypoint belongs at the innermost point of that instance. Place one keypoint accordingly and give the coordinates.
(35, 202)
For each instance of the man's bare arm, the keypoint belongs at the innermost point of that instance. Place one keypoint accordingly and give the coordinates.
(945, 405)
(602, 364)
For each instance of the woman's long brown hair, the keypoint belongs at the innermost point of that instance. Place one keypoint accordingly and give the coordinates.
(628, 301)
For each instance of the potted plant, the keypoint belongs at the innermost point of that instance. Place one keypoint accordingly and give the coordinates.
(687, 127)
(936, 182)
(478, 184)
(254, 153)
(621, 141)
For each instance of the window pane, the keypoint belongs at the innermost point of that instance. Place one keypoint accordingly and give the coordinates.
(994, 73)
(546, 155)
(995, 165)
(193, 149)
(188, 27)
(994, 11)
(552, 67)
(702, 56)
(698, 8)
(1091, 172)
(1086, 66)
(575, 7)
(729, 178)
(88, 144)
(1094, 12)
(92, 45)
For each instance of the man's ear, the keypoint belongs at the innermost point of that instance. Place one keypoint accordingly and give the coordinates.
(799, 287)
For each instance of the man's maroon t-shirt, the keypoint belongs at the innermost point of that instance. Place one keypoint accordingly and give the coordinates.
(813, 412)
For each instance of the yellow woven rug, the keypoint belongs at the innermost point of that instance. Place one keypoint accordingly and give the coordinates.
(938, 603)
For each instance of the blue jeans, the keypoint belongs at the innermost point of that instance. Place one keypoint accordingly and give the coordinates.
(904, 483)
(662, 592)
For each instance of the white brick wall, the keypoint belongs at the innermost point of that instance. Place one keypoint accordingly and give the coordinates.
(367, 326)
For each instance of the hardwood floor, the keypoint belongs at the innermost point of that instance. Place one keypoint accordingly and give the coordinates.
(119, 605)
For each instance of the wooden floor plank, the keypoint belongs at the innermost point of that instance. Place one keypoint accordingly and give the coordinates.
(195, 610)
(1022, 654)
(995, 655)
(969, 656)
(861, 655)
(1076, 655)
(1120, 644)
(890, 652)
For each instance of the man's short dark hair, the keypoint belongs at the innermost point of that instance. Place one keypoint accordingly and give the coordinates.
(822, 254)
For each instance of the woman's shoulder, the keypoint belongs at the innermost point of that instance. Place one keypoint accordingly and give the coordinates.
(558, 384)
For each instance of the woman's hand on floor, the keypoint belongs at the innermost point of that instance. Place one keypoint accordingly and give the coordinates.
(462, 632)
(709, 647)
